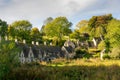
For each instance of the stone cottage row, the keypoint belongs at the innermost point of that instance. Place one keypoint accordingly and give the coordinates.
(36, 53)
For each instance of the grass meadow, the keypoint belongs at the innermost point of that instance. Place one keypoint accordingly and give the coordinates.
(61, 69)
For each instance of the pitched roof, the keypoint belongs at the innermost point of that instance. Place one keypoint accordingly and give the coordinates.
(69, 49)
(42, 49)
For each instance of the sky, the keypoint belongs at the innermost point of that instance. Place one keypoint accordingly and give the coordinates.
(36, 11)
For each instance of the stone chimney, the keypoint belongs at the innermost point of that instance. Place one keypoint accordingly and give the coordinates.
(45, 43)
(6, 38)
(37, 43)
(51, 44)
(24, 41)
(32, 42)
(16, 40)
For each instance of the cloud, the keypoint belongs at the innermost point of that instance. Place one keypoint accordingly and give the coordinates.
(36, 11)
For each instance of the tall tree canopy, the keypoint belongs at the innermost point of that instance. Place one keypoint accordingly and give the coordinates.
(21, 29)
(3, 28)
(48, 20)
(59, 27)
(97, 24)
(81, 24)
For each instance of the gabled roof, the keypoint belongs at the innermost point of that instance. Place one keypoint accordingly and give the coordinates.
(69, 49)
(69, 43)
(42, 49)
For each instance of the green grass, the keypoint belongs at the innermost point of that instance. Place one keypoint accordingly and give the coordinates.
(61, 69)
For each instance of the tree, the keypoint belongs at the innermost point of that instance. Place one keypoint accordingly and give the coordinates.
(35, 34)
(113, 33)
(75, 35)
(98, 24)
(48, 20)
(82, 23)
(21, 29)
(59, 27)
(3, 28)
(8, 57)
(11, 32)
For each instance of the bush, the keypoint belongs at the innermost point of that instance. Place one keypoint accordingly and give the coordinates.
(87, 56)
(96, 55)
(8, 57)
(80, 53)
(115, 54)
(106, 56)
(94, 51)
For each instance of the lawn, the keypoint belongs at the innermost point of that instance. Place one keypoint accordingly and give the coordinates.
(61, 69)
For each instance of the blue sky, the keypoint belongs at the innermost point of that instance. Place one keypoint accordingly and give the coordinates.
(36, 11)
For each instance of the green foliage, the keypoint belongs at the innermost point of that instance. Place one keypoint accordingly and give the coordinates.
(113, 33)
(97, 55)
(80, 53)
(35, 34)
(21, 29)
(59, 27)
(115, 54)
(107, 45)
(79, 36)
(101, 45)
(106, 56)
(8, 57)
(48, 20)
(81, 72)
(104, 45)
(3, 28)
(82, 23)
(22, 25)
(98, 24)
(75, 35)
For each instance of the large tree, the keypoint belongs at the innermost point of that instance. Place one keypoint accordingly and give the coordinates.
(21, 29)
(98, 24)
(3, 28)
(59, 27)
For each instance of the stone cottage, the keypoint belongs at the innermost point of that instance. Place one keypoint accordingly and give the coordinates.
(38, 52)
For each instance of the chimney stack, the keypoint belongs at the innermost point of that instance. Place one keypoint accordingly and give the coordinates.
(6, 38)
(37, 43)
(51, 44)
(24, 41)
(45, 43)
(32, 42)
(16, 40)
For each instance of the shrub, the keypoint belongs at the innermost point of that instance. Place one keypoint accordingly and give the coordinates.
(115, 54)
(96, 55)
(106, 56)
(8, 57)
(94, 51)
(80, 53)
(87, 56)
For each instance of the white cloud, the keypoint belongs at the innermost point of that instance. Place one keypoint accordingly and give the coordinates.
(38, 10)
